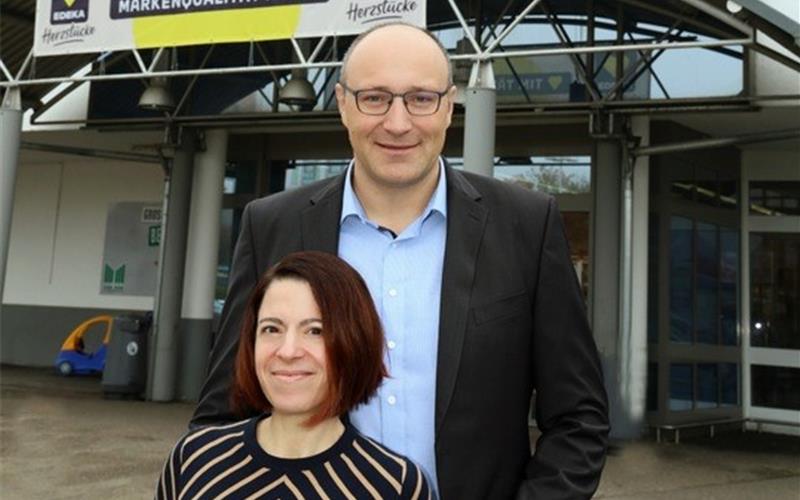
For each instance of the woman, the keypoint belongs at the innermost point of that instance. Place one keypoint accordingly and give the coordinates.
(311, 349)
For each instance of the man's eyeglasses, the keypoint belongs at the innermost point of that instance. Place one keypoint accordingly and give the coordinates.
(377, 102)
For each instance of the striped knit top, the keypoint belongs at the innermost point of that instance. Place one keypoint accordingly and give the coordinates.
(227, 462)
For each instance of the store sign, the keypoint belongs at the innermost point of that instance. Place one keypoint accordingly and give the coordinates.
(130, 254)
(79, 26)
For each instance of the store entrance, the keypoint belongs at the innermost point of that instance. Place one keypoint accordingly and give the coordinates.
(694, 351)
(771, 265)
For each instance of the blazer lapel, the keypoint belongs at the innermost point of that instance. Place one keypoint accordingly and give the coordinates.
(466, 221)
(320, 220)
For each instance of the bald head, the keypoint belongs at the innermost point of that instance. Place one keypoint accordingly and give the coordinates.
(397, 33)
(396, 152)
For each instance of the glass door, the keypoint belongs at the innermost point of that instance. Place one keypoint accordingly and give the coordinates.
(694, 350)
(771, 295)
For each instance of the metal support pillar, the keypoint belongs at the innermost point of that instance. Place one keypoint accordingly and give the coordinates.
(607, 180)
(632, 344)
(479, 120)
(175, 215)
(10, 130)
(201, 262)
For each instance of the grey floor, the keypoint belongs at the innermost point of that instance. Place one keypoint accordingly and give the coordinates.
(60, 439)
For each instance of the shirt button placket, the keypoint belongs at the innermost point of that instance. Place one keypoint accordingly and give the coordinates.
(394, 416)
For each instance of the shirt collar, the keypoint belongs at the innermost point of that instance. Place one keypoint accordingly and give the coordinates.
(352, 206)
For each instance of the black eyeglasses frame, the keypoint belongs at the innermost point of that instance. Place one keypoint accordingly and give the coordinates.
(355, 93)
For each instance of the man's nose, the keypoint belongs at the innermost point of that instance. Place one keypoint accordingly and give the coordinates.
(397, 120)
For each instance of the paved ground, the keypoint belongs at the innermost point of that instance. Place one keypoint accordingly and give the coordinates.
(60, 439)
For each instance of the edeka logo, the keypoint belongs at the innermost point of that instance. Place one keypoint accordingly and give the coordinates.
(69, 11)
(385, 10)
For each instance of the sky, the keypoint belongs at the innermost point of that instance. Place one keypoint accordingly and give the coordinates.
(684, 72)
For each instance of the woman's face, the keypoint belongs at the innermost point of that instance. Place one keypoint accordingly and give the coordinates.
(290, 358)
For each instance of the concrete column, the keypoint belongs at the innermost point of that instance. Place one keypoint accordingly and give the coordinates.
(619, 305)
(607, 180)
(202, 249)
(175, 218)
(632, 344)
(479, 120)
(10, 130)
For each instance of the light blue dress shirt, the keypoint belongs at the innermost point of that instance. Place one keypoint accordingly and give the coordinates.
(404, 276)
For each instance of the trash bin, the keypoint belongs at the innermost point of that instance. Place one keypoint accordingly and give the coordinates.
(125, 373)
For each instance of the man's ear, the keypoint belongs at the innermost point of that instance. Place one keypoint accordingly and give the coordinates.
(451, 99)
(340, 101)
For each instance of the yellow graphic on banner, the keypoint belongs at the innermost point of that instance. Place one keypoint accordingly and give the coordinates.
(69, 2)
(611, 63)
(235, 25)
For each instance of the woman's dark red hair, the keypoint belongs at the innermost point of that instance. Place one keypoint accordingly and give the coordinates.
(351, 329)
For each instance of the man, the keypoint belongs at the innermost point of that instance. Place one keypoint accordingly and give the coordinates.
(472, 279)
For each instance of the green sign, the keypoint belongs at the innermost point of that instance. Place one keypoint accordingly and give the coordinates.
(114, 279)
(154, 236)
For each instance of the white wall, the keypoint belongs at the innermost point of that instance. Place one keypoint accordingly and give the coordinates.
(58, 230)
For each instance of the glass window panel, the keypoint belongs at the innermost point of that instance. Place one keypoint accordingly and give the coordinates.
(707, 386)
(230, 219)
(563, 175)
(774, 198)
(775, 387)
(680, 283)
(652, 272)
(775, 290)
(707, 190)
(725, 79)
(681, 393)
(706, 295)
(682, 181)
(303, 172)
(229, 185)
(728, 197)
(729, 384)
(655, 180)
(728, 279)
(652, 386)
(246, 175)
(548, 174)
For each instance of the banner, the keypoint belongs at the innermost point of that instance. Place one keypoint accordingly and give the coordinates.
(80, 26)
(550, 78)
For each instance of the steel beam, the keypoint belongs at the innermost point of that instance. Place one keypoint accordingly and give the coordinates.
(465, 26)
(90, 153)
(511, 26)
(580, 67)
(5, 71)
(716, 142)
(191, 83)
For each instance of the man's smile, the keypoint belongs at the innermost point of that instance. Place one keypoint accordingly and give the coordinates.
(396, 147)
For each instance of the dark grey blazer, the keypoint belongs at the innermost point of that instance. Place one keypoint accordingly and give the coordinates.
(512, 320)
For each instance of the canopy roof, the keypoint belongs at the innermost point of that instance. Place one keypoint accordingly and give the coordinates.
(201, 69)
